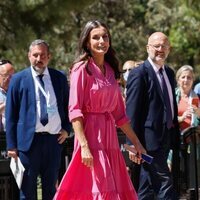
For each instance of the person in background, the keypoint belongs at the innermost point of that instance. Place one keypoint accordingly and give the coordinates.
(6, 72)
(127, 67)
(152, 108)
(197, 89)
(37, 121)
(133, 168)
(97, 169)
(188, 116)
(187, 99)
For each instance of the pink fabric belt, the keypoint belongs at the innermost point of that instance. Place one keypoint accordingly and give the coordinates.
(108, 115)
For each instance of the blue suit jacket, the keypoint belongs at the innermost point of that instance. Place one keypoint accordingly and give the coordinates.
(145, 106)
(21, 107)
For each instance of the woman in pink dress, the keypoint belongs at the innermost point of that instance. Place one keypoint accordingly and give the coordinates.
(97, 170)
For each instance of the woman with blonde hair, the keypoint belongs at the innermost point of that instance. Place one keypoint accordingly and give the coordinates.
(188, 116)
(187, 99)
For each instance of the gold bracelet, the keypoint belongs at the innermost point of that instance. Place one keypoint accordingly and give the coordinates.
(84, 145)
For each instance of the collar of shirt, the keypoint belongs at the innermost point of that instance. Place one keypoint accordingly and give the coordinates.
(155, 66)
(156, 69)
(2, 91)
(54, 124)
(35, 74)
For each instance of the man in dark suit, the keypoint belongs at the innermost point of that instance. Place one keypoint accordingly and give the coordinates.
(37, 121)
(152, 109)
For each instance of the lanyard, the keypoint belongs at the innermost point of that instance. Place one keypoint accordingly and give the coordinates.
(47, 96)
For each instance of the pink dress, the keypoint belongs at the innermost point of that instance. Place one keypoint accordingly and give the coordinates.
(97, 99)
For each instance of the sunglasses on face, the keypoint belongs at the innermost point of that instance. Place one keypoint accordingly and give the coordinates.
(125, 70)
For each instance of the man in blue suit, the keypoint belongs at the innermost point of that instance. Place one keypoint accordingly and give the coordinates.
(154, 117)
(37, 121)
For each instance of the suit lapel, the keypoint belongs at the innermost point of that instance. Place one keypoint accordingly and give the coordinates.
(154, 79)
(172, 83)
(55, 83)
(30, 86)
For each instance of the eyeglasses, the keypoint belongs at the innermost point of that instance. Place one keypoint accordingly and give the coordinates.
(125, 70)
(158, 46)
(4, 61)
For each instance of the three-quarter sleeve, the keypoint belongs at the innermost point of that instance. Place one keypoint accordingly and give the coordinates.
(77, 88)
(119, 113)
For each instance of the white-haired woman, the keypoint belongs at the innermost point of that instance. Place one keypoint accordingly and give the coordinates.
(188, 116)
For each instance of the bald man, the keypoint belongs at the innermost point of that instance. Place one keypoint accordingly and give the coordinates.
(152, 108)
(6, 72)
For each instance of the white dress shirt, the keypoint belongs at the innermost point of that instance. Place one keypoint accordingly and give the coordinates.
(156, 69)
(54, 124)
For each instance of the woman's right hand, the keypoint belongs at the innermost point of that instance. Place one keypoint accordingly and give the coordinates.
(87, 158)
(187, 113)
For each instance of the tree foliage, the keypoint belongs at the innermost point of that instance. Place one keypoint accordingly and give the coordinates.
(130, 22)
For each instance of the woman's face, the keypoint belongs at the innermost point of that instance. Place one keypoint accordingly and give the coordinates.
(98, 42)
(185, 80)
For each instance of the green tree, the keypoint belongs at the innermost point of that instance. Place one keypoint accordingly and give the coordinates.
(181, 21)
(130, 23)
(125, 20)
(185, 32)
(24, 21)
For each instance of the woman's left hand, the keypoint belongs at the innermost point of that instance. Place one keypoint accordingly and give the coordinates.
(135, 158)
(87, 158)
(138, 157)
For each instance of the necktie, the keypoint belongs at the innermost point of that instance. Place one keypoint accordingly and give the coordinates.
(168, 110)
(43, 103)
